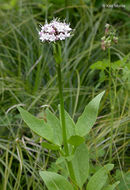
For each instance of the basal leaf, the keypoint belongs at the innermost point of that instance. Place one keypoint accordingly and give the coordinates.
(80, 164)
(87, 119)
(55, 181)
(98, 180)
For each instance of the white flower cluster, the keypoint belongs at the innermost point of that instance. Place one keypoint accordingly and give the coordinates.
(54, 31)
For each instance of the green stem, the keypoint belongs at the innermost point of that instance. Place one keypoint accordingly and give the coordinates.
(70, 167)
(62, 110)
(58, 59)
(111, 105)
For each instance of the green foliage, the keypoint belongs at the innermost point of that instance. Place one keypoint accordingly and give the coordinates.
(116, 65)
(76, 140)
(80, 159)
(87, 119)
(27, 76)
(64, 158)
(81, 164)
(100, 65)
(10, 4)
(70, 127)
(54, 123)
(111, 187)
(124, 179)
(55, 181)
(50, 146)
(50, 129)
(98, 180)
(42, 128)
(37, 125)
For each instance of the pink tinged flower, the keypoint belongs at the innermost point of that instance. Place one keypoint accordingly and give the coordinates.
(107, 25)
(61, 36)
(103, 46)
(106, 30)
(67, 35)
(54, 31)
(115, 39)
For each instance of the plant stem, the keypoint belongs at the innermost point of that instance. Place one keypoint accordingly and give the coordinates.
(111, 105)
(70, 167)
(58, 59)
(62, 109)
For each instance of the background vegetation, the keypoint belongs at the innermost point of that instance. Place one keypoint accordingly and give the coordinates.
(28, 78)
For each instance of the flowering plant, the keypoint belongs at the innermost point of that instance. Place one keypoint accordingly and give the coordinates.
(63, 134)
(109, 37)
(54, 31)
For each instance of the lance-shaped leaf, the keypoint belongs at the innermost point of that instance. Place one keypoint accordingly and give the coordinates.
(111, 187)
(54, 123)
(55, 181)
(88, 117)
(80, 164)
(37, 125)
(98, 180)
(70, 125)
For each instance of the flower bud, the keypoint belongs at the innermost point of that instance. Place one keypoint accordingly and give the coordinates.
(115, 39)
(107, 26)
(103, 38)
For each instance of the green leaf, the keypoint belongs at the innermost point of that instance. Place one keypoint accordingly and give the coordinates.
(50, 146)
(37, 125)
(70, 125)
(55, 181)
(87, 119)
(102, 77)
(76, 140)
(124, 181)
(54, 123)
(60, 160)
(80, 164)
(121, 63)
(100, 65)
(64, 158)
(98, 180)
(111, 187)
